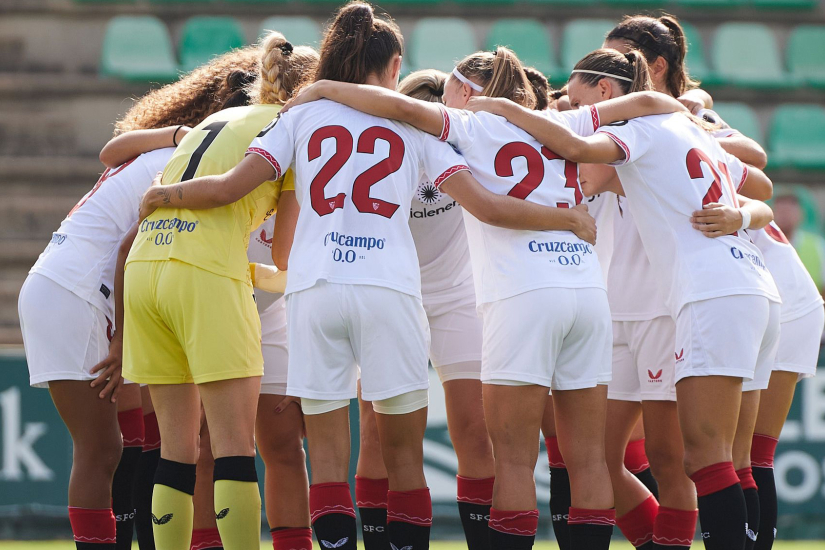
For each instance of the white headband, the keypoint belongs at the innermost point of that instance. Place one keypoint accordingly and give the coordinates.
(604, 74)
(467, 81)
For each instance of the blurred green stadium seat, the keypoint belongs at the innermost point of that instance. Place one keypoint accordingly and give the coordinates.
(746, 54)
(565, 2)
(138, 48)
(711, 3)
(582, 36)
(806, 54)
(785, 4)
(300, 31)
(797, 137)
(439, 42)
(204, 37)
(104, 1)
(181, 1)
(695, 60)
(741, 117)
(528, 38)
(255, 1)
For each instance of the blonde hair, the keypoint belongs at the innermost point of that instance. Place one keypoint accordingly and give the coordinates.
(284, 69)
(426, 85)
(207, 89)
(501, 74)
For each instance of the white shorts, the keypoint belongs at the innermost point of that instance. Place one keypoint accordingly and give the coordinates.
(335, 328)
(554, 337)
(799, 342)
(64, 335)
(455, 332)
(728, 336)
(643, 366)
(274, 348)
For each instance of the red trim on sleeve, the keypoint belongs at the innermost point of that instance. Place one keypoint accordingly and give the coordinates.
(267, 157)
(594, 114)
(445, 129)
(449, 172)
(744, 177)
(621, 144)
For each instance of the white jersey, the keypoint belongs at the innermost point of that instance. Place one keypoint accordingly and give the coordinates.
(355, 176)
(633, 288)
(603, 209)
(437, 227)
(82, 254)
(796, 287)
(508, 161)
(671, 168)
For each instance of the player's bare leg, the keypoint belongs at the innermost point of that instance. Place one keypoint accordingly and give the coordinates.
(280, 438)
(622, 419)
(708, 415)
(92, 423)
(514, 415)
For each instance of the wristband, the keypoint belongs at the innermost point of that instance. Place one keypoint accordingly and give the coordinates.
(746, 219)
(175, 135)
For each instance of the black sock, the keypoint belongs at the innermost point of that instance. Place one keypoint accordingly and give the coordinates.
(408, 535)
(646, 477)
(374, 528)
(722, 517)
(506, 541)
(336, 531)
(474, 518)
(589, 536)
(333, 516)
(142, 498)
(767, 508)
(122, 501)
(752, 504)
(560, 505)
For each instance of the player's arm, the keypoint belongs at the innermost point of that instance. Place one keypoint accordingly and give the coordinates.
(128, 145)
(746, 150)
(696, 100)
(756, 185)
(109, 369)
(209, 191)
(375, 101)
(512, 213)
(716, 219)
(285, 221)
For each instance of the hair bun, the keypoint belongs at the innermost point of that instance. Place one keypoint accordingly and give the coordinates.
(286, 48)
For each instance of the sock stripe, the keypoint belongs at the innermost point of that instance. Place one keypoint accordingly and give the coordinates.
(93, 525)
(580, 516)
(151, 432)
(414, 507)
(205, 538)
(475, 490)
(635, 459)
(554, 453)
(371, 493)
(763, 449)
(523, 523)
(638, 524)
(714, 478)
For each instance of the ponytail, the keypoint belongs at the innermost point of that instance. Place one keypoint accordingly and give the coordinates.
(501, 75)
(284, 69)
(662, 37)
(630, 71)
(358, 44)
(426, 85)
(541, 88)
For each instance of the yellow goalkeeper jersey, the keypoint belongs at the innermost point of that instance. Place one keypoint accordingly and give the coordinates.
(215, 239)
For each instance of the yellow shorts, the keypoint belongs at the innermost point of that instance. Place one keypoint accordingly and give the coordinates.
(184, 324)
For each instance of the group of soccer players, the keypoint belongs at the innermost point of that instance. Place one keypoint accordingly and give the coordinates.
(681, 331)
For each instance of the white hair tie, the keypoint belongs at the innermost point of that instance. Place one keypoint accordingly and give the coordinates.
(604, 74)
(467, 81)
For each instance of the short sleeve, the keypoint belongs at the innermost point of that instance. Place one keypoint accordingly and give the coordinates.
(289, 181)
(441, 161)
(459, 128)
(583, 121)
(737, 170)
(275, 144)
(632, 136)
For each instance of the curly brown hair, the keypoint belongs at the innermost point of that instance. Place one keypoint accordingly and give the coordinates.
(217, 85)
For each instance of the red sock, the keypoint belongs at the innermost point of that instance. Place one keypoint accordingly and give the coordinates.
(746, 478)
(330, 498)
(714, 478)
(205, 538)
(474, 490)
(675, 527)
(415, 507)
(763, 450)
(131, 427)
(371, 493)
(553, 453)
(635, 459)
(637, 524)
(521, 523)
(151, 432)
(94, 526)
(292, 538)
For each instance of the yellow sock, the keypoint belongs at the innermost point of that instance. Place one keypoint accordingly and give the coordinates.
(238, 510)
(172, 515)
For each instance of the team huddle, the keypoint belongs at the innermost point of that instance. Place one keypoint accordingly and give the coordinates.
(283, 230)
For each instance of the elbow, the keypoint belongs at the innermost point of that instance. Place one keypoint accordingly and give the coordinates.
(107, 158)
(760, 159)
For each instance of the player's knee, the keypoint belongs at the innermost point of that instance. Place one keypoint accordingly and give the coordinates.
(100, 456)
(283, 452)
